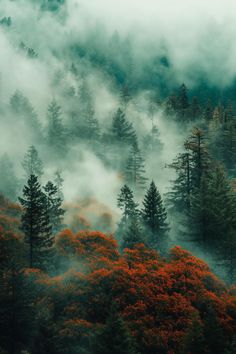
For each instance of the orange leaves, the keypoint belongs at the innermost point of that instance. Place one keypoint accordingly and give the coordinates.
(92, 247)
(156, 298)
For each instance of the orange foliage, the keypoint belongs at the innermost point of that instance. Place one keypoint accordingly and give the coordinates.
(157, 298)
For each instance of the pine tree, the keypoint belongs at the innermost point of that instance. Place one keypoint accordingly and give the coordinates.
(213, 217)
(154, 216)
(126, 203)
(53, 207)
(135, 169)
(199, 156)
(179, 197)
(122, 131)
(36, 224)
(114, 337)
(32, 163)
(56, 130)
(129, 208)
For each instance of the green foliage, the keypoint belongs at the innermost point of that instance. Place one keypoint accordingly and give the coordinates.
(154, 217)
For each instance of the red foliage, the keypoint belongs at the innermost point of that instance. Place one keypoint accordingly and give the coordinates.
(157, 298)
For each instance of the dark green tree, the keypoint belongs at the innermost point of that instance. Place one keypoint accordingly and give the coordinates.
(126, 203)
(35, 224)
(154, 217)
(53, 205)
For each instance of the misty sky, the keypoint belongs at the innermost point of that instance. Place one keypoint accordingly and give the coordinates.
(198, 37)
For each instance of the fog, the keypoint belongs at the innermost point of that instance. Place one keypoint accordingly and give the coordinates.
(195, 37)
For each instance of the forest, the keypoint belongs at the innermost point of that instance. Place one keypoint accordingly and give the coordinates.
(117, 178)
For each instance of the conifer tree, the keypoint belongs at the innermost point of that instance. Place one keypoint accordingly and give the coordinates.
(36, 224)
(56, 130)
(179, 197)
(122, 131)
(199, 156)
(126, 203)
(183, 103)
(32, 163)
(135, 169)
(213, 217)
(53, 207)
(154, 216)
(129, 208)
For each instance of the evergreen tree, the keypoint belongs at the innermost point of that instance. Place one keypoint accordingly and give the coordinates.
(56, 130)
(213, 217)
(53, 207)
(122, 131)
(135, 169)
(129, 208)
(154, 216)
(114, 337)
(179, 197)
(32, 163)
(199, 156)
(126, 203)
(183, 103)
(36, 224)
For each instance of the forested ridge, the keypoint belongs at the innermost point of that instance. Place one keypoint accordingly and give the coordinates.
(117, 189)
